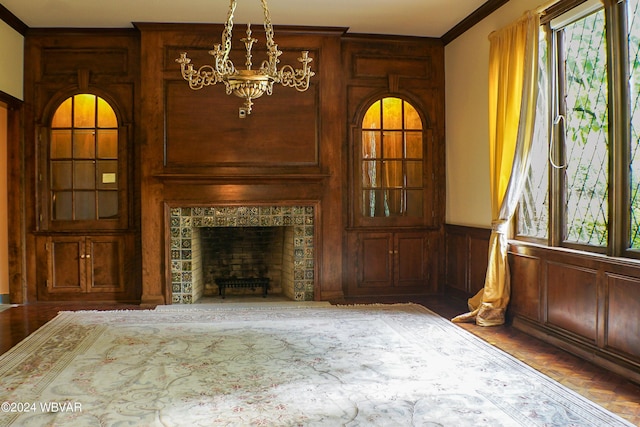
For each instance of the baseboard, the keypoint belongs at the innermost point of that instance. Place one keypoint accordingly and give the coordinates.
(612, 362)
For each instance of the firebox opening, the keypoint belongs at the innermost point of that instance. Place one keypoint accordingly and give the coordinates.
(246, 253)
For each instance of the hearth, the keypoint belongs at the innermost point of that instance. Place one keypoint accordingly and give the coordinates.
(238, 258)
(289, 231)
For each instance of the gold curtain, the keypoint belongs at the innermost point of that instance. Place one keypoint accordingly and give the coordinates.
(513, 74)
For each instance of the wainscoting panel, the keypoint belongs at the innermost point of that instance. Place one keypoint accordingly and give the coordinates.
(587, 304)
(623, 332)
(478, 260)
(457, 261)
(467, 250)
(572, 300)
(526, 296)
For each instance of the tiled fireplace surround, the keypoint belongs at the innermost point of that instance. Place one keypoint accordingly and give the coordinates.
(186, 260)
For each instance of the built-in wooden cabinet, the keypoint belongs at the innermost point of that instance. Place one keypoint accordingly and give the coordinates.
(79, 166)
(83, 191)
(396, 158)
(77, 265)
(389, 263)
(392, 192)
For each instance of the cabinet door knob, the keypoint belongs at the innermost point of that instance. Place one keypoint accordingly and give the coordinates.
(88, 255)
(82, 256)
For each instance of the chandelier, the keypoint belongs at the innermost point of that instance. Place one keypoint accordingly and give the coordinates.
(247, 83)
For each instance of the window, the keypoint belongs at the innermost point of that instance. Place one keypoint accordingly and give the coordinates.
(83, 160)
(583, 185)
(633, 69)
(392, 160)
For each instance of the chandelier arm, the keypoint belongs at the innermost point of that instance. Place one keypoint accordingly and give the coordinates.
(298, 79)
(204, 76)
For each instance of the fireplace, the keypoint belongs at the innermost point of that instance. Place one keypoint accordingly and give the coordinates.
(292, 238)
(246, 255)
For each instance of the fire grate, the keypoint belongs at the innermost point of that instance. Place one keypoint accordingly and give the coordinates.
(250, 283)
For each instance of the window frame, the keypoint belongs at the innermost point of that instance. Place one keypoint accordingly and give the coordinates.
(618, 220)
(45, 206)
(359, 220)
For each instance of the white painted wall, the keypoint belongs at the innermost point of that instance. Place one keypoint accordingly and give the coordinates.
(12, 64)
(467, 117)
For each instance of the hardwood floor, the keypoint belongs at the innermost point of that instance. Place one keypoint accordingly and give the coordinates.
(607, 389)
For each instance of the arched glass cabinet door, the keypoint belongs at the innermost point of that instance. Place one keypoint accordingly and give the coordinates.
(84, 165)
(391, 164)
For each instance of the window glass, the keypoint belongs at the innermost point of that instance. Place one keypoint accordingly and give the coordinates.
(373, 120)
(60, 144)
(392, 113)
(533, 211)
(83, 184)
(570, 190)
(62, 116)
(106, 115)
(582, 48)
(391, 163)
(412, 119)
(633, 39)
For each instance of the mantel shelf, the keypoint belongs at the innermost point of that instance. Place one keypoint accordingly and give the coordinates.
(229, 178)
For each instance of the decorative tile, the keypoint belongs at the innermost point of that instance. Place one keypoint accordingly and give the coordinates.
(185, 223)
(176, 266)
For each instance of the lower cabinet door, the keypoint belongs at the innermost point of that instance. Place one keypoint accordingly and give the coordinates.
(104, 258)
(411, 260)
(389, 263)
(375, 264)
(80, 265)
(66, 265)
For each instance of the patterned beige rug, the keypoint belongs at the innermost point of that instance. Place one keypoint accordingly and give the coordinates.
(280, 365)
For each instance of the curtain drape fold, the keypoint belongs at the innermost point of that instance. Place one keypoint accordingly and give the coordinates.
(513, 74)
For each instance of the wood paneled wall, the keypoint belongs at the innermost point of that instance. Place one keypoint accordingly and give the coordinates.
(190, 148)
(196, 151)
(585, 303)
(467, 257)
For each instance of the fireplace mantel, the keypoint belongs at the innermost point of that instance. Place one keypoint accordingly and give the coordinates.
(239, 178)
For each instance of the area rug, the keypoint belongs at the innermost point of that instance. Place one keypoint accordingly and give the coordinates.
(379, 365)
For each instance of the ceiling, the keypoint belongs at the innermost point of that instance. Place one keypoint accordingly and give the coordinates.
(427, 18)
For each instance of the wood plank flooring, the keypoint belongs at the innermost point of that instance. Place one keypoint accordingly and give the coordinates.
(607, 389)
